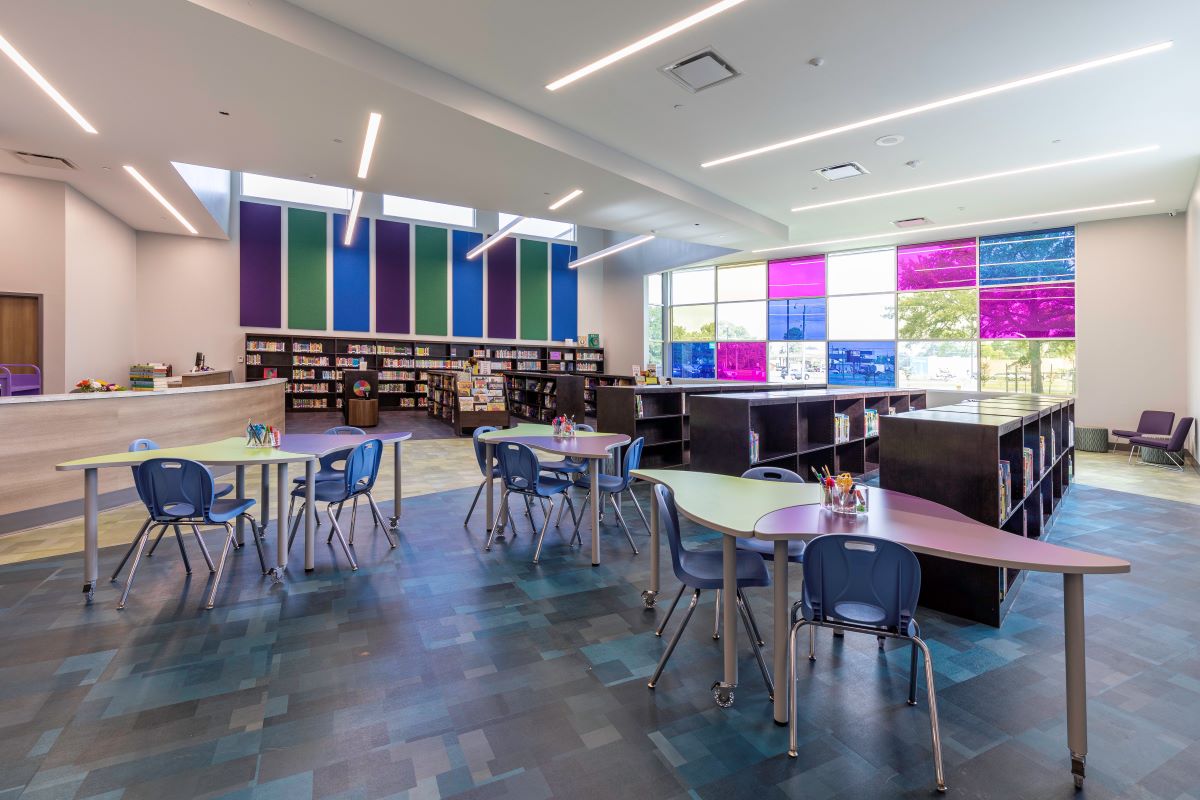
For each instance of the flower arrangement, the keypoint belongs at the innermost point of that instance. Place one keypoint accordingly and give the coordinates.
(89, 385)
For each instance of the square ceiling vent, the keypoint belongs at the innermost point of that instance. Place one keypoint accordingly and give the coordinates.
(702, 70)
(839, 172)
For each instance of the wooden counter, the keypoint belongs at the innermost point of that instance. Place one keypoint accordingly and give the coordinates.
(214, 377)
(37, 432)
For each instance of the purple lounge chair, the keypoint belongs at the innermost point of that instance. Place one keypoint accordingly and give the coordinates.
(20, 383)
(1172, 448)
(1152, 423)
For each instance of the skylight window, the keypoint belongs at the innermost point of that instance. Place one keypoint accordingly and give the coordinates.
(284, 190)
(428, 211)
(541, 228)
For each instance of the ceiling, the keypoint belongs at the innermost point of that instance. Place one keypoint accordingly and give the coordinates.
(467, 120)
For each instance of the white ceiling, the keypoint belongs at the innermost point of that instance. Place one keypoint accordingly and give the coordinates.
(467, 120)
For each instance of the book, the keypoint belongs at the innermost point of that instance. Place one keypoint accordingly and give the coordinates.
(871, 416)
(273, 372)
(755, 442)
(1045, 455)
(1027, 468)
(1005, 487)
(841, 428)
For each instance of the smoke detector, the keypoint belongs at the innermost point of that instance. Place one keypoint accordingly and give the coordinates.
(839, 172)
(39, 160)
(701, 70)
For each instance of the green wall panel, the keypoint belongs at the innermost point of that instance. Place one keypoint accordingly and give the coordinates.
(306, 269)
(535, 285)
(430, 260)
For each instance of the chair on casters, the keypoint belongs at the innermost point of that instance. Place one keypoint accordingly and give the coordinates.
(866, 585)
(480, 457)
(1172, 448)
(362, 468)
(703, 570)
(1151, 423)
(520, 473)
(328, 468)
(613, 486)
(178, 491)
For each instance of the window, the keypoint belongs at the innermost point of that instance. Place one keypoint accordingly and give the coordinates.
(1027, 312)
(541, 228)
(862, 316)
(1027, 365)
(742, 321)
(692, 324)
(938, 365)
(654, 321)
(742, 282)
(284, 190)
(799, 362)
(1033, 257)
(936, 265)
(796, 319)
(938, 315)
(796, 277)
(862, 272)
(428, 211)
(693, 286)
(693, 360)
(862, 363)
(742, 361)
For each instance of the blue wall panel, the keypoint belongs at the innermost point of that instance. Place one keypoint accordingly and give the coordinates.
(564, 293)
(351, 276)
(467, 285)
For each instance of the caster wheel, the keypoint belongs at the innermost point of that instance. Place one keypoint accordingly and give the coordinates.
(722, 694)
(1078, 781)
(89, 592)
(276, 575)
(395, 523)
(649, 598)
(942, 788)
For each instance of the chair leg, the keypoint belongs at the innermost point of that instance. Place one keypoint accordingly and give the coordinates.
(717, 615)
(296, 526)
(203, 549)
(499, 526)
(793, 743)
(912, 671)
(571, 505)
(754, 645)
(475, 502)
(670, 611)
(187, 565)
(666, 656)
(154, 546)
(562, 509)
(132, 546)
(137, 559)
(638, 506)
(291, 506)
(379, 521)
(587, 498)
(353, 517)
(933, 718)
(545, 524)
(621, 519)
(212, 593)
(753, 622)
(337, 531)
(256, 533)
(812, 643)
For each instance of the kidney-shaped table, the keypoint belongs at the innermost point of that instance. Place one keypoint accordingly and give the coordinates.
(592, 447)
(779, 512)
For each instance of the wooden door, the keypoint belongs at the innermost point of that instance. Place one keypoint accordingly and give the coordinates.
(20, 329)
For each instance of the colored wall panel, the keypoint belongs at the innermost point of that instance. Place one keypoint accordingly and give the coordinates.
(260, 278)
(862, 363)
(1026, 312)
(306, 269)
(392, 294)
(467, 291)
(938, 315)
(1031, 257)
(693, 360)
(564, 293)
(502, 289)
(936, 265)
(430, 251)
(796, 277)
(535, 284)
(742, 361)
(796, 319)
(351, 276)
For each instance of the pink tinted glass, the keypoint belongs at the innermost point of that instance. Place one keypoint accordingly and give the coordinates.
(1045, 312)
(742, 361)
(796, 277)
(936, 265)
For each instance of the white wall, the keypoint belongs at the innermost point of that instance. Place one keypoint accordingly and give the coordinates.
(1131, 330)
(1192, 309)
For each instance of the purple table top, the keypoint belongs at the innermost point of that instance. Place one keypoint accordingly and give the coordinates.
(318, 444)
(596, 446)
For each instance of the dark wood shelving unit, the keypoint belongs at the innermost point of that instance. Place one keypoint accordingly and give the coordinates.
(539, 397)
(446, 402)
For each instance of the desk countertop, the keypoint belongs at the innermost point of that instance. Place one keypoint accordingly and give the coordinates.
(49, 398)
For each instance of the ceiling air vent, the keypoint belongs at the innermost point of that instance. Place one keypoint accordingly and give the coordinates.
(839, 172)
(39, 160)
(700, 71)
(912, 222)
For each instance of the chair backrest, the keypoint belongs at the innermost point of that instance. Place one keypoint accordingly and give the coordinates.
(176, 487)
(772, 474)
(668, 525)
(864, 578)
(633, 458)
(137, 446)
(519, 467)
(481, 447)
(345, 430)
(581, 426)
(1156, 423)
(1179, 436)
(362, 466)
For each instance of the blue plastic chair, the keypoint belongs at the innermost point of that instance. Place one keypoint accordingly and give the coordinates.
(362, 469)
(329, 466)
(863, 584)
(178, 491)
(613, 486)
(764, 548)
(565, 467)
(480, 457)
(703, 569)
(520, 474)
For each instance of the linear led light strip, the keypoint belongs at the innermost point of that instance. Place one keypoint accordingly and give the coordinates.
(608, 251)
(352, 222)
(557, 204)
(149, 187)
(482, 247)
(44, 85)
(946, 101)
(364, 163)
(643, 43)
(961, 225)
(989, 176)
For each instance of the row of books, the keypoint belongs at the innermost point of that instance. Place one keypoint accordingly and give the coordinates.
(755, 446)
(1027, 467)
(308, 402)
(308, 388)
(147, 377)
(397, 375)
(480, 392)
(308, 347)
(1005, 486)
(841, 427)
(351, 362)
(310, 361)
(266, 346)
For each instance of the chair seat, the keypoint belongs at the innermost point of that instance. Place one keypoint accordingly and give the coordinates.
(563, 465)
(1158, 443)
(704, 570)
(325, 491)
(1126, 434)
(608, 483)
(547, 487)
(767, 549)
(221, 510)
(323, 475)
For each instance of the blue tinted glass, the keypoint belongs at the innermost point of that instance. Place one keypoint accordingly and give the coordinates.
(796, 320)
(693, 360)
(862, 363)
(1031, 257)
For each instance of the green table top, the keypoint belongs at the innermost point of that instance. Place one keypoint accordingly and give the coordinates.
(232, 451)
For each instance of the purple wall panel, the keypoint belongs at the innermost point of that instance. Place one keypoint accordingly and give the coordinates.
(1046, 312)
(502, 289)
(936, 265)
(796, 277)
(260, 279)
(742, 361)
(392, 264)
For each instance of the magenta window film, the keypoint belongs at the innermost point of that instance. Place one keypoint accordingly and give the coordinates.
(796, 277)
(1045, 312)
(936, 265)
(742, 361)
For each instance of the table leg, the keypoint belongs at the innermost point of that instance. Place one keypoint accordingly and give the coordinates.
(396, 485)
(91, 531)
(266, 498)
(489, 454)
(594, 477)
(282, 523)
(650, 596)
(781, 613)
(723, 689)
(310, 517)
(1076, 678)
(239, 491)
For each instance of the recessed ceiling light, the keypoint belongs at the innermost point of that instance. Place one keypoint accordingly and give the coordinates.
(643, 43)
(562, 201)
(946, 101)
(986, 177)
(44, 85)
(482, 247)
(963, 225)
(891, 140)
(608, 251)
(839, 172)
(364, 163)
(157, 195)
(352, 222)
